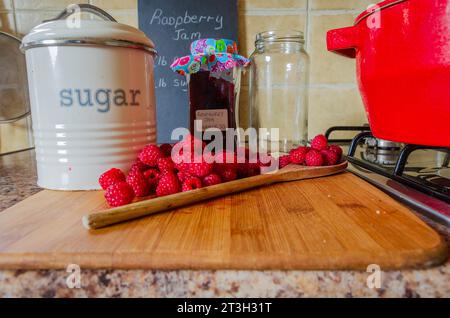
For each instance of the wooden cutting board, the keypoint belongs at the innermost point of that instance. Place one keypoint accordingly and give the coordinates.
(337, 222)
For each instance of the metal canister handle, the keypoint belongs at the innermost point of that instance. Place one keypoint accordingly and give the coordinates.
(83, 7)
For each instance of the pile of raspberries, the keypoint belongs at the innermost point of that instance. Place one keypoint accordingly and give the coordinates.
(161, 171)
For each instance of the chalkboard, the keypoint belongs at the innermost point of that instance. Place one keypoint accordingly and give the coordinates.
(173, 25)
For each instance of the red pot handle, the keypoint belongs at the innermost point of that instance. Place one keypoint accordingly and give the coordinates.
(343, 41)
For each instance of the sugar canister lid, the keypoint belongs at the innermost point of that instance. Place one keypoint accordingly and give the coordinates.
(78, 32)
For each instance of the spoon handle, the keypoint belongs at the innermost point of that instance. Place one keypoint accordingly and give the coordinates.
(155, 205)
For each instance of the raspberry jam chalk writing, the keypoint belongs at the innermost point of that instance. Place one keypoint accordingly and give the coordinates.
(180, 22)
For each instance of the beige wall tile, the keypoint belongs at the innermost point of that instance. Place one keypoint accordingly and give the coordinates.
(7, 22)
(44, 4)
(342, 4)
(26, 20)
(334, 106)
(327, 67)
(125, 17)
(115, 4)
(250, 25)
(5, 5)
(278, 4)
(14, 136)
(124, 11)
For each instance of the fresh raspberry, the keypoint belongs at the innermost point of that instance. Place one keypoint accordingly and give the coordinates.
(139, 183)
(183, 176)
(150, 155)
(139, 166)
(200, 167)
(241, 171)
(166, 164)
(251, 158)
(319, 142)
(298, 155)
(246, 170)
(224, 156)
(182, 166)
(228, 174)
(152, 176)
(110, 177)
(247, 163)
(168, 184)
(119, 193)
(254, 165)
(242, 154)
(177, 153)
(211, 179)
(283, 161)
(166, 149)
(186, 150)
(314, 158)
(180, 158)
(265, 160)
(191, 184)
(224, 159)
(253, 171)
(189, 147)
(330, 157)
(336, 149)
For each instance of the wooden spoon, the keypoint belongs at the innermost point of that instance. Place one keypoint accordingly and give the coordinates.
(131, 211)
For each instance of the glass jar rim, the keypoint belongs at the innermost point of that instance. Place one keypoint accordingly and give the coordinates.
(280, 36)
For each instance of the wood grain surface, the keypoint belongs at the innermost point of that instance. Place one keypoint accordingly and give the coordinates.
(151, 206)
(336, 222)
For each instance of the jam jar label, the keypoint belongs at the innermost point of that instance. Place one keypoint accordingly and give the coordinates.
(213, 118)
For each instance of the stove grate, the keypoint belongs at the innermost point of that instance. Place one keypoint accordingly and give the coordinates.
(397, 173)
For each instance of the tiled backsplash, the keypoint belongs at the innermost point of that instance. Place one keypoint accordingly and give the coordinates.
(334, 96)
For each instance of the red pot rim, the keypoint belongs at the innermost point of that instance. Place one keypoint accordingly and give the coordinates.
(380, 6)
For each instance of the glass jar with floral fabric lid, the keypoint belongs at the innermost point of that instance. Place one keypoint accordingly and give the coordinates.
(213, 71)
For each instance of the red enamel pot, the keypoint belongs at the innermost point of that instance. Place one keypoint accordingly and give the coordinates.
(402, 51)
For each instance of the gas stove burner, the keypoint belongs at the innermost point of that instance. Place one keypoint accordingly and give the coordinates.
(444, 173)
(379, 151)
(381, 156)
(373, 142)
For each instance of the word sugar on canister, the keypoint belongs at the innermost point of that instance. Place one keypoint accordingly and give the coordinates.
(101, 99)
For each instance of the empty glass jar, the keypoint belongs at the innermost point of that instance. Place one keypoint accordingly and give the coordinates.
(278, 87)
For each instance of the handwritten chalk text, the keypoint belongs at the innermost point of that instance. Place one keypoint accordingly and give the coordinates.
(179, 23)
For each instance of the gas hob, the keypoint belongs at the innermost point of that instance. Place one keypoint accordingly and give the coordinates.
(418, 176)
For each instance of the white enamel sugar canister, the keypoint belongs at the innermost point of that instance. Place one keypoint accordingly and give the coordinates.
(92, 97)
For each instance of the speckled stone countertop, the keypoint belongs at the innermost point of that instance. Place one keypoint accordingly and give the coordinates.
(18, 181)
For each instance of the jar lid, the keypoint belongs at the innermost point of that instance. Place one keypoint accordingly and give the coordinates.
(215, 55)
(62, 32)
